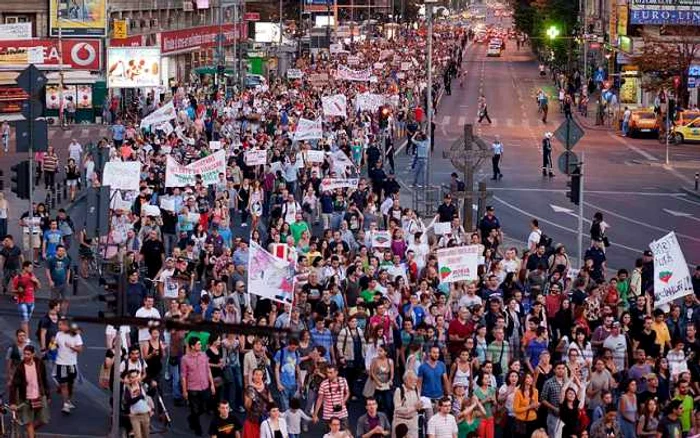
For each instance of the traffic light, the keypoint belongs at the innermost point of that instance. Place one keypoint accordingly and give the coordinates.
(574, 186)
(20, 179)
(552, 32)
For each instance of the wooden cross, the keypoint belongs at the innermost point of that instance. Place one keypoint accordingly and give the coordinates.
(465, 157)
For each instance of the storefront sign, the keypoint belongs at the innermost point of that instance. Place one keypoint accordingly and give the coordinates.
(132, 41)
(199, 37)
(87, 18)
(15, 31)
(622, 19)
(251, 16)
(133, 67)
(664, 16)
(77, 54)
(11, 98)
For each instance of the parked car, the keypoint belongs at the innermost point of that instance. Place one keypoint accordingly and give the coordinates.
(643, 121)
(690, 132)
(686, 116)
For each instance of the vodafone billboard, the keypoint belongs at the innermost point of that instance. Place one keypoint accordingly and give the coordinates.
(78, 54)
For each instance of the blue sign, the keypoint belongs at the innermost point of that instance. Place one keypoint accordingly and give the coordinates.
(319, 2)
(665, 16)
(694, 70)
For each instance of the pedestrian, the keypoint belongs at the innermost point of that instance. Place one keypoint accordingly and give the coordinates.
(5, 135)
(11, 259)
(58, 272)
(626, 116)
(24, 285)
(483, 109)
(225, 424)
(49, 166)
(547, 155)
(257, 398)
(138, 405)
(333, 395)
(30, 392)
(72, 178)
(197, 383)
(420, 159)
(69, 344)
(496, 156)
(373, 422)
(4, 214)
(275, 426)
(287, 373)
(443, 424)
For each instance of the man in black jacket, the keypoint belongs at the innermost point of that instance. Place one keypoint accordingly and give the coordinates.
(31, 404)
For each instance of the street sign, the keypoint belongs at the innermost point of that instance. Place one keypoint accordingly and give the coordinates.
(251, 16)
(31, 80)
(39, 139)
(567, 162)
(120, 31)
(569, 133)
(32, 108)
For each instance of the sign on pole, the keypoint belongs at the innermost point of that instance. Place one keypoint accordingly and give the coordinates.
(569, 133)
(567, 162)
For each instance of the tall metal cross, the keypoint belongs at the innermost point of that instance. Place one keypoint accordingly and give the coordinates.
(467, 154)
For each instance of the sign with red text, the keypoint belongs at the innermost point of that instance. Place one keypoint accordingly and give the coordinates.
(209, 168)
(458, 263)
(78, 54)
(199, 37)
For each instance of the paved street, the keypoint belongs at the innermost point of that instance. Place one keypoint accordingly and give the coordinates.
(625, 178)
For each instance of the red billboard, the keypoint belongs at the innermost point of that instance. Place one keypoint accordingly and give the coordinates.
(78, 54)
(198, 38)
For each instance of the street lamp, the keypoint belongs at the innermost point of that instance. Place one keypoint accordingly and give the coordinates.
(429, 15)
(552, 32)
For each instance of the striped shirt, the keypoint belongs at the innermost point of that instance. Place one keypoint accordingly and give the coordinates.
(334, 394)
(50, 163)
(442, 426)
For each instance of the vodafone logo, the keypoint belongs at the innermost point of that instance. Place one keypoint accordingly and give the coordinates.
(83, 54)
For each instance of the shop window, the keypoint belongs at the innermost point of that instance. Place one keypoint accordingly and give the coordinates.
(14, 19)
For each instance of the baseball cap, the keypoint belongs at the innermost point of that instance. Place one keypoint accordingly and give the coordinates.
(648, 253)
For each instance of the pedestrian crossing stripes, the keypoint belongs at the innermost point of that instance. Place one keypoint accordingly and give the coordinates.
(454, 122)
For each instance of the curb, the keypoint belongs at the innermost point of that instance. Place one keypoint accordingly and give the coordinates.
(587, 125)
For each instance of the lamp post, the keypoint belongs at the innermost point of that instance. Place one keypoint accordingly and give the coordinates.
(429, 15)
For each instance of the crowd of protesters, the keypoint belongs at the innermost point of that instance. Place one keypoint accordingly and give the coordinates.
(530, 346)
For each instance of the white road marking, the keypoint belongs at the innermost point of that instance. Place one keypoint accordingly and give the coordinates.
(646, 155)
(643, 224)
(681, 214)
(556, 225)
(589, 192)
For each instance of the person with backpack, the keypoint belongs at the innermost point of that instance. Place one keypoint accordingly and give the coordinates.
(13, 357)
(547, 155)
(408, 408)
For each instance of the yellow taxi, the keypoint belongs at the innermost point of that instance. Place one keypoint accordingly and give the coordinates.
(643, 121)
(689, 132)
(686, 116)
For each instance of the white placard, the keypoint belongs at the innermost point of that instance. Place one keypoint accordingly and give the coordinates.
(177, 175)
(353, 60)
(313, 156)
(458, 263)
(16, 31)
(163, 114)
(294, 73)
(369, 101)
(338, 183)
(214, 145)
(150, 210)
(381, 239)
(308, 129)
(167, 204)
(255, 157)
(336, 105)
(122, 175)
(442, 228)
(406, 66)
(348, 74)
(671, 275)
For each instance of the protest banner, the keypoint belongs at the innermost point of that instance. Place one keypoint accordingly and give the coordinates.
(163, 114)
(315, 156)
(294, 73)
(122, 175)
(117, 203)
(181, 136)
(341, 160)
(166, 127)
(308, 129)
(214, 145)
(269, 276)
(209, 168)
(458, 263)
(368, 101)
(337, 49)
(348, 74)
(353, 60)
(378, 65)
(442, 228)
(255, 157)
(338, 183)
(381, 239)
(336, 105)
(167, 204)
(318, 78)
(150, 211)
(671, 275)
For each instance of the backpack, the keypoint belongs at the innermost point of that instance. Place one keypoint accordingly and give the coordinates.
(546, 241)
(461, 186)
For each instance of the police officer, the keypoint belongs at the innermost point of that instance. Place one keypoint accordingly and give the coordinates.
(547, 154)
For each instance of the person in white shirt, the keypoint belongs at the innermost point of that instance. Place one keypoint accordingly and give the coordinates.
(443, 425)
(617, 343)
(147, 311)
(69, 344)
(535, 233)
(75, 151)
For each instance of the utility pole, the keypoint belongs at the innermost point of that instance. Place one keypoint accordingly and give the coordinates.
(668, 128)
(240, 9)
(429, 15)
(580, 212)
(61, 109)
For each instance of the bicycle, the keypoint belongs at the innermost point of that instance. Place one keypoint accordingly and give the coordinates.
(9, 428)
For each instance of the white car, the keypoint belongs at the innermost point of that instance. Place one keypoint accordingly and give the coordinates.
(493, 51)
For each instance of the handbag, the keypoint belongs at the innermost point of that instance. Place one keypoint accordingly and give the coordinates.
(369, 388)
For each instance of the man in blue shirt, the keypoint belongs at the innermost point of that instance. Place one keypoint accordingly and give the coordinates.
(421, 158)
(432, 376)
(118, 132)
(58, 272)
(320, 335)
(52, 238)
(287, 372)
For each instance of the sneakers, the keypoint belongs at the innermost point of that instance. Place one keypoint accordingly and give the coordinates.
(66, 409)
(70, 404)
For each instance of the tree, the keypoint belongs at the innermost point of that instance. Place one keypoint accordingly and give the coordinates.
(666, 57)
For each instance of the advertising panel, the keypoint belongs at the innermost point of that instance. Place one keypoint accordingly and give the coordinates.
(199, 37)
(78, 19)
(267, 32)
(53, 94)
(15, 31)
(84, 97)
(133, 67)
(78, 54)
(658, 12)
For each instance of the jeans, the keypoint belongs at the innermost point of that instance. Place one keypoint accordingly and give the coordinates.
(3, 227)
(169, 241)
(175, 379)
(385, 401)
(419, 170)
(198, 402)
(496, 164)
(287, 394)
(551, 424)
(625, 128)
(234, 390)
